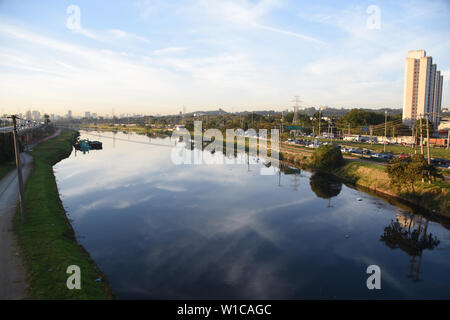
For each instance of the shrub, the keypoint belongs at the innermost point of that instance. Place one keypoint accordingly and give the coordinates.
(404, 173)
(327, 156)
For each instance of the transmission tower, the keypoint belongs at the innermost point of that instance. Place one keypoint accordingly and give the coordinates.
(296, 106)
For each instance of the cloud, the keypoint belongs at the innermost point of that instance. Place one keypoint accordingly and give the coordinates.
(120, 34)
(169, 50)
(109, 35)
(245, 14)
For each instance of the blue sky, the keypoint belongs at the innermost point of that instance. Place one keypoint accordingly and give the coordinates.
(156, 56)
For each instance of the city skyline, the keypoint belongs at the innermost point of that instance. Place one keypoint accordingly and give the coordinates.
(154, 57)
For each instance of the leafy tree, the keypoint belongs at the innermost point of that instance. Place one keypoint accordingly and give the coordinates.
(404, 173)
(46, 119)
(327, 156)
(358, 117)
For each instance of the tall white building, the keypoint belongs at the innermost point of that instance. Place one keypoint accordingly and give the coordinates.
(423, 89)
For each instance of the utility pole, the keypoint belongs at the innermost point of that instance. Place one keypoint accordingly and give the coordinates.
(371, 135)
(23, 206)
(421, 135)
(320, 117)
(428, 139)
(385, 130)
(331, 132)
(349, 129)
(428, 145)
(448, 139)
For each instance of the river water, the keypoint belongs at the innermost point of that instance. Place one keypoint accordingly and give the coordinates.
(164, 231)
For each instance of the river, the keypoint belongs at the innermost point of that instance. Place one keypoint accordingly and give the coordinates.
(164, 231)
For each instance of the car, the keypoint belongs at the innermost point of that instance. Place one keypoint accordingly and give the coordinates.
(386, 156)
(403, 156)
(376, 155)
(439, 162)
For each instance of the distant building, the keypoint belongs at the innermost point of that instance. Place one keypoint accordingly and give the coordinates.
(87, 114)
(69, 114)
(36, 115)
(423, 89)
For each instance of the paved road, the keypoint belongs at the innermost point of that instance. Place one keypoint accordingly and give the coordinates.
(12, 272)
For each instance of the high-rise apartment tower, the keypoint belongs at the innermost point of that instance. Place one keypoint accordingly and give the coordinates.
(423, 89)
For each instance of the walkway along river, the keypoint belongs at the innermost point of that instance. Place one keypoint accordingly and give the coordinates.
(164, 231)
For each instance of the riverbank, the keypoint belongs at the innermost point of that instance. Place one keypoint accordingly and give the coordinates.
(47, 240)
(135, 129)
(434, 197)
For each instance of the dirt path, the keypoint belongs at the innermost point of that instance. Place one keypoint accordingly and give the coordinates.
(12, 273)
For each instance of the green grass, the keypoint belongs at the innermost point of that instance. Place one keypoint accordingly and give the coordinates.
(6, 168)
(47, 239)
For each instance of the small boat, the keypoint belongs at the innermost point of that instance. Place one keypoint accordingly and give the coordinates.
(86, 145)
(97, 145)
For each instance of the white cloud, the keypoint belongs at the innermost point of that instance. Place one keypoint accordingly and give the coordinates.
(120, 34)
(248, 15)
(169, 50)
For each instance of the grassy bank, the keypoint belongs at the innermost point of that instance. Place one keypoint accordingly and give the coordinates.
(6, 168)
(434, 197)
(47, 239)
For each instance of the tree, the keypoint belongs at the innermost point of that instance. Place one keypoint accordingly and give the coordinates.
(404, 173)
(358, 117)
(327, 156)
(46, 119)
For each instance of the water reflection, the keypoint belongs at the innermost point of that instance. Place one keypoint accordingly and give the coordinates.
(409, 234)
(325, 186)
(160, 230)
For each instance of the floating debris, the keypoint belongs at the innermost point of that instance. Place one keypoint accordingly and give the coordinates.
(347, 236)
(98, 280)
(358, 199)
